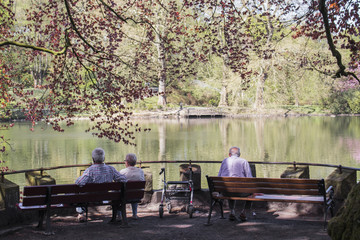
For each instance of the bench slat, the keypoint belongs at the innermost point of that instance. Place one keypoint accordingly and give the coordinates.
(90, 187)
(36, 200)
(267, 185)
(84, 198)
(72, 198)
(135, 190)
(272, 180)
(71, 188)
(35, 190)
(279, 198)
(266, 190)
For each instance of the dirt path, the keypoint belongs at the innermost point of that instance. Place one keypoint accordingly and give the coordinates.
(265, 225)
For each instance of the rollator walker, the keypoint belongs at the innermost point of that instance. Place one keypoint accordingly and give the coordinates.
(172, 191)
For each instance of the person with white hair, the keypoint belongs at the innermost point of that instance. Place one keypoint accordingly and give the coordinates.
(234, 166)
(99, 172)
(132, 173)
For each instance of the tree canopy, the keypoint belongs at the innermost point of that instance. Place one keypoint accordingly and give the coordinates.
(95, 57)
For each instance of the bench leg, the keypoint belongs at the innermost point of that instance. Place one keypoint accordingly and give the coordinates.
(114, 212)
(221, 203)
(212, 204)
(41, 218)
(86, 213)
(48, 223)
(123, 215)
(325, 216)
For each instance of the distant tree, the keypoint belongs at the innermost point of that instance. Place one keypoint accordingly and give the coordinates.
(223, 32)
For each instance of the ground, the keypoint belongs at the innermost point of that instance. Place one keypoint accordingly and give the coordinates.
(269, 225)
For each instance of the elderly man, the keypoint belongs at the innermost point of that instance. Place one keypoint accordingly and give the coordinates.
(132, 173)
(99, 172)
(234, 166)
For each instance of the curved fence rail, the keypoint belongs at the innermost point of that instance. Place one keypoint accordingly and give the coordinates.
(141, 163)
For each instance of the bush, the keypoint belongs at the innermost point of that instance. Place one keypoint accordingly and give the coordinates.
(343, 102)
(214, 102)
(353, 100)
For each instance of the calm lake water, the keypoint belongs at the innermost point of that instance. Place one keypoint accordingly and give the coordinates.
(327, 140)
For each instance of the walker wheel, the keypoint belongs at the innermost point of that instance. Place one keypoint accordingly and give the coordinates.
(190, 210)
(161, 211)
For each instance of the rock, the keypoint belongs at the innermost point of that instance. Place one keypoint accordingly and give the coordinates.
(346, 224)
(342, 181)
(297, 172)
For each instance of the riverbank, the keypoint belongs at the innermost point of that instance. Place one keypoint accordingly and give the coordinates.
(208, 112)
(268, 224)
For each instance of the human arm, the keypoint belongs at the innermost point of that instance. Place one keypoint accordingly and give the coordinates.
(83, 179)
(142, 177)
(222, 169)
(247, 170)
(118, 177)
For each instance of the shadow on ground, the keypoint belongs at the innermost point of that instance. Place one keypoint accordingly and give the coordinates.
(269, 225)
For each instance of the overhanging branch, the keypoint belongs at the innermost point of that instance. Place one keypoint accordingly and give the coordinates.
(334, 51)
(24, 45)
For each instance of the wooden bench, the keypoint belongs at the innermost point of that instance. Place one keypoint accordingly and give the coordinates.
(270, 190)
(47, 197)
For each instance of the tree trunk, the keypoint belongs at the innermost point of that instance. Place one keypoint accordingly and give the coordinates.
(223, 94)
(162, 142)
(162, 72)
(259, 101)
(39, 69)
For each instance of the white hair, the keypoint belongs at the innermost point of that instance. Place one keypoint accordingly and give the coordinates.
(234, 151)
(98, 155)
(131, 159)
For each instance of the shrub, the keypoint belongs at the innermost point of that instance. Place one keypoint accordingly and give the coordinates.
(343, 101)
(353, 100)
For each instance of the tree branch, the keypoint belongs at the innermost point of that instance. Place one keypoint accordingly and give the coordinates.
(334, 51)
(24, 45)
(74, 26)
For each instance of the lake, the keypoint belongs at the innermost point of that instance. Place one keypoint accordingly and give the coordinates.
(315, 139)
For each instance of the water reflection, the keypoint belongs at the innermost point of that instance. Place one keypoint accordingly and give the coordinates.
(305, 139)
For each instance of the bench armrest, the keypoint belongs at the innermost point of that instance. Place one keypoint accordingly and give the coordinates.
(331, 188)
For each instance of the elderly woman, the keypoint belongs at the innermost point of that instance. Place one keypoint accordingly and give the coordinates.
(132, 173)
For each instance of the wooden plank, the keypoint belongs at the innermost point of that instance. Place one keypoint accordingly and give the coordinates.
(135, 185)
(134, 190)
(34, 200)
(273, 180)
(318, 200)
(90, 187)
(35, 190)
(266, 190)
(85, 198)
(267, 185)
(71, 188)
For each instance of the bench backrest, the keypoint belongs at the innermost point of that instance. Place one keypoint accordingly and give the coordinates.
(134, 190)
(72, 193)
(286, 186)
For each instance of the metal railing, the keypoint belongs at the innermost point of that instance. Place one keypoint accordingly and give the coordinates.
(141, 163)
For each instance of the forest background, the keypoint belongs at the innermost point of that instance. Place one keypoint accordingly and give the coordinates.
(107, 59)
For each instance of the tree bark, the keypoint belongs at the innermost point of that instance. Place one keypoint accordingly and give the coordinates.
(223, 94)
(259, 100)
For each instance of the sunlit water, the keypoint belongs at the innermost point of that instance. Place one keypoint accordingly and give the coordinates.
(327, 140)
